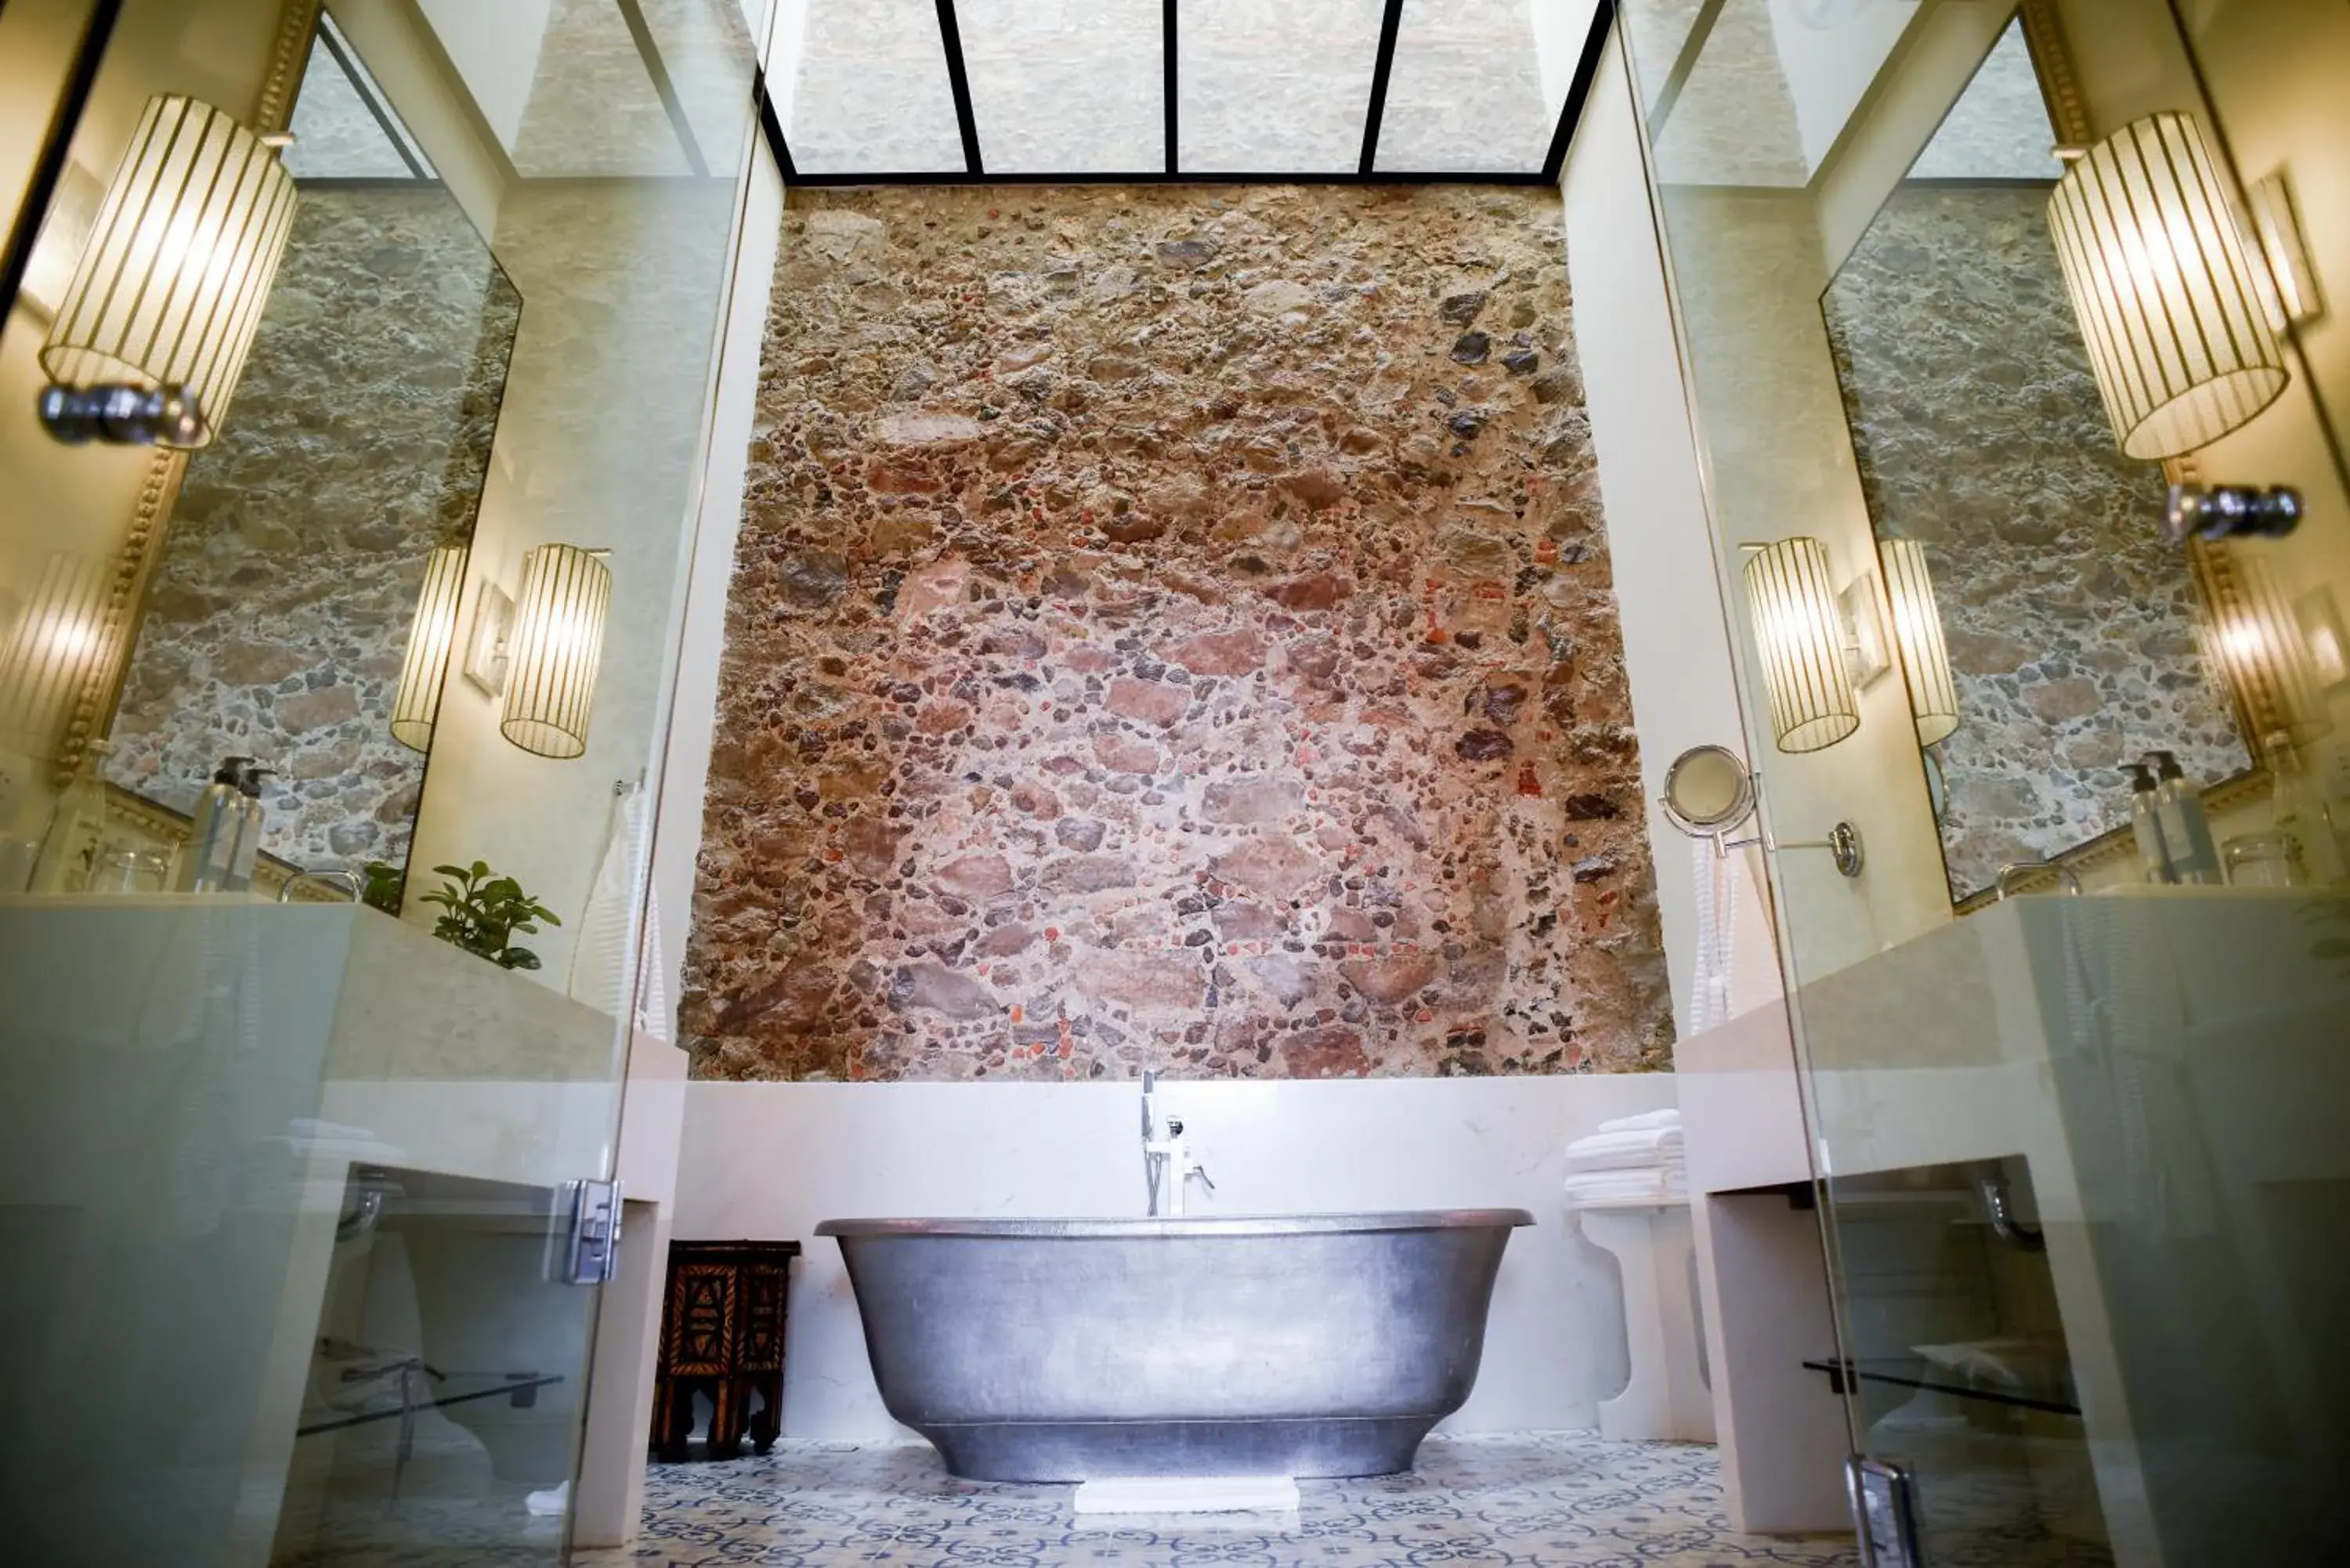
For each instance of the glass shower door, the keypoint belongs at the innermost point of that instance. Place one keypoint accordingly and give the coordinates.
(303, 1164)
(2077, 1135)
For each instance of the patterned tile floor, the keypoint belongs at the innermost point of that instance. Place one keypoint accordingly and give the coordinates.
(1561, 1500)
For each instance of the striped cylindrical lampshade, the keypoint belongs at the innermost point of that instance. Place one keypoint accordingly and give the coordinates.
(1918, 630)
(2252, 642)
(2164, 286)
(171, 284)
(558, 640)
(57, 645)
(1799, 633)
(431, 637)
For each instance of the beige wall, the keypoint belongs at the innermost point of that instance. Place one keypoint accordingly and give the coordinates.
(1678, 653)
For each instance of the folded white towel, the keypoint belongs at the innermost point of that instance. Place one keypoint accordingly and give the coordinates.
(1628, 1187)
(1670, 1116)
(1638, 1137)
(1621, 1150)
(1624, 1160)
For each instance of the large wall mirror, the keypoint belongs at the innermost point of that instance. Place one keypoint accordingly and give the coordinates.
(281, 598)
(1978, 433)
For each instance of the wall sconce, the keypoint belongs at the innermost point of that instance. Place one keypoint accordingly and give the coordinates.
(152, 334)
(1801, 631)
(2168, 301)
(432, 634)
(2276, 221)
(557, 643)
(57, 640)
(2254, 642)
(1918, 631)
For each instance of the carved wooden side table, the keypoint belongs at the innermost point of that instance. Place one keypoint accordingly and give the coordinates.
(722, 1335)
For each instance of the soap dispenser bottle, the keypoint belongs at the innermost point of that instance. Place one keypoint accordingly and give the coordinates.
(2186, 831)
(2301, 814)
(248, 828)
(212, 836)
(69, 849)
(2146, 826)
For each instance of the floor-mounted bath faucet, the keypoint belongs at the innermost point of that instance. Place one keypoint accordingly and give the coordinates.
(1168, 1161)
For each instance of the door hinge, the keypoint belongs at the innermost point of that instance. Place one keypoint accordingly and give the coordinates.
(592, 1251)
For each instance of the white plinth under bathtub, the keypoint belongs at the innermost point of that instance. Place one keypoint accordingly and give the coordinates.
(1124, 1495)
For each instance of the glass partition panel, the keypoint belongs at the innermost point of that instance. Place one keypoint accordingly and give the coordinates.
(325, 734)
(2002, 321)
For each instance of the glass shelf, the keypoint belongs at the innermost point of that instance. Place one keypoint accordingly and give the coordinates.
(454, 1389)
(1904, 1372)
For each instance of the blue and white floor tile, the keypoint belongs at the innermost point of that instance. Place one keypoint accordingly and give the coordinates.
(1541, 1501)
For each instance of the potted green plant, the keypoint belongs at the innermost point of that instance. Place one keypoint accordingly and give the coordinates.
(483, 911)
(382, 887)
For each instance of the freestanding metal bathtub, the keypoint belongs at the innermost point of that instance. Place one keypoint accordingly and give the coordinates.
(1059, 1350)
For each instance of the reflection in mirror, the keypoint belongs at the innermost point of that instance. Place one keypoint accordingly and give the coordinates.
(282, 598)
(1980, 435)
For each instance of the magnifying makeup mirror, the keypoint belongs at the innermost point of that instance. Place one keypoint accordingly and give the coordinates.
(1710, 792)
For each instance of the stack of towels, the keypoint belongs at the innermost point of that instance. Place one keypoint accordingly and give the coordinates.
(1632, 1159)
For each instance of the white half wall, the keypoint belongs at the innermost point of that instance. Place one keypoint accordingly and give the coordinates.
(769, 1161)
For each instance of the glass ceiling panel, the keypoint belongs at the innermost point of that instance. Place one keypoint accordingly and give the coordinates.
(869, 90)
(1066, 86)
(592, 109)
(335, 135)
(1274, 87)
(1478, 85)
(705, 46)
(1999, 130)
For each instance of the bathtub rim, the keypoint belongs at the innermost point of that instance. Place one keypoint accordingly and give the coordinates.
(1183, 1227)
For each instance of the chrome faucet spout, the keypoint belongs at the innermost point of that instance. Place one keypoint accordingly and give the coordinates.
(1168, 1163)
(1154, 1160)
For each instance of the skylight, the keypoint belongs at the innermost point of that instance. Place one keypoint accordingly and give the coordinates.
(877, 92)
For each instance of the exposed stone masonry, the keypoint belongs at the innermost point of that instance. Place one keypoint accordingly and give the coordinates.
(1173, 628)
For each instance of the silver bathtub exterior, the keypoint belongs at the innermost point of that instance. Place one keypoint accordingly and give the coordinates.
(1067, 1350)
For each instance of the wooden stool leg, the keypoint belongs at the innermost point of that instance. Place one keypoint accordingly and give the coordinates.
(768, 1424)
(673, 1419)
(726, 1417)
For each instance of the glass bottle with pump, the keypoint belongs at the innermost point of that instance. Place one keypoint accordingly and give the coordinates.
(2186, 831)
(212, 836)
(69, 849)
(2298, 806)
(2146, 826)
(248, 825)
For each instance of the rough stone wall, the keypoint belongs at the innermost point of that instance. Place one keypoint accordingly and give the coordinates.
(279, 609)
(1173, 628)
(1978, 430)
